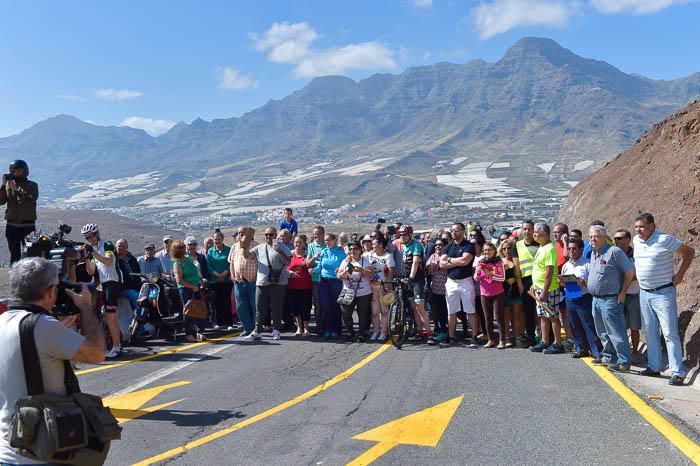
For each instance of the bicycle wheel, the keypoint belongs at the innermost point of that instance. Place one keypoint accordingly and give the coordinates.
(397, 323)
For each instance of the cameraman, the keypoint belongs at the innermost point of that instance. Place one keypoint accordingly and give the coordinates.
(20, 195)
(33, 288)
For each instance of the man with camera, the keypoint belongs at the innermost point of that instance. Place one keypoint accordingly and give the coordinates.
(34, 288)
(20, 195)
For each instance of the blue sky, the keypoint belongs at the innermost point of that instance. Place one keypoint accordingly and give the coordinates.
(150, 64)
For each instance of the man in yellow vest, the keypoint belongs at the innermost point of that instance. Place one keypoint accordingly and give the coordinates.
(523, 253)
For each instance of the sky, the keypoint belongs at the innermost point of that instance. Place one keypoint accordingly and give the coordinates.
(150, 64)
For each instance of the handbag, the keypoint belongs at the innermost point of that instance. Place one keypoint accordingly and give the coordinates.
(347, 295)
(75, 429)
(196, 309)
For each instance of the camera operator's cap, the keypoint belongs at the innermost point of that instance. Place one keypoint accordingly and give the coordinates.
(167, 238)
(149, 246)
(366, 238)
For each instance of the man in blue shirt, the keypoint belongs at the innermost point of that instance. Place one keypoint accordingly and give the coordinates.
(288, 223)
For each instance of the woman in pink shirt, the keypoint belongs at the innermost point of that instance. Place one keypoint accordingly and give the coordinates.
(490, 275)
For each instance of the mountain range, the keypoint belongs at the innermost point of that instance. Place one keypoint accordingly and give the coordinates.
(541, 117)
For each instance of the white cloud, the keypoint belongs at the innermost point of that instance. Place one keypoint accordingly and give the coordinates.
(117, 94)
(503, 15)
(151, 126)
(232, 79)
(291, 43)
(637, 7)
(72, 98)
(422, 3)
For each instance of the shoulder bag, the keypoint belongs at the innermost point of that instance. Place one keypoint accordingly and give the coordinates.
(76, 429)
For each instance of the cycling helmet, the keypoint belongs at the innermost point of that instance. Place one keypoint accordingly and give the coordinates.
(89, 228)
(406, 229)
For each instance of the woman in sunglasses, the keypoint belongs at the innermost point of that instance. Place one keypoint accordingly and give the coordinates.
(356, 273)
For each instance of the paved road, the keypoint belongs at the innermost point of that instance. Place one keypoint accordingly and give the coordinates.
(518, 407)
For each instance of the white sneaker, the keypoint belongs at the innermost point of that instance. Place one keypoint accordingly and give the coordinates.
(230, 327)
(382, 337)
(276, 334)
(374, 336)
(216, 327)
(253, 336)
(113, 353)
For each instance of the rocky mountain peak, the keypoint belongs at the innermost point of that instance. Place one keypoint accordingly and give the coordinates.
(529, 48)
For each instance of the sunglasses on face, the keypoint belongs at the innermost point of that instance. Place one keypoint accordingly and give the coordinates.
(269, 234)
(619, 238)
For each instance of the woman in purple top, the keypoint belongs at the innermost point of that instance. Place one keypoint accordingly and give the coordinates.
(490, 275)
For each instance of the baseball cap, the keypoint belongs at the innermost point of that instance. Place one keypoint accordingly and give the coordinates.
(167, 238)
(190, 240)
(366, 238)
(149, 246)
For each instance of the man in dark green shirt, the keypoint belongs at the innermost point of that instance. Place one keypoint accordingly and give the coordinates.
(20, 195)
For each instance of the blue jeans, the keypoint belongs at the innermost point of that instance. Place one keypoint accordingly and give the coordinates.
(609, 317)
(185, 295)
(580, 315)
(331, 315)
(132, 296)
(660, 308)
(245, 303)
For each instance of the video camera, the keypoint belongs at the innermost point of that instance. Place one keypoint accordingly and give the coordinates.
(63, 252)
(9, 176)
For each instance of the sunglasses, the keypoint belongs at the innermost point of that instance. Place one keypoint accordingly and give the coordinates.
(619, 238)
(269, 234)
(573, 249)
(438, 246)
(405, 234)
(192, 244)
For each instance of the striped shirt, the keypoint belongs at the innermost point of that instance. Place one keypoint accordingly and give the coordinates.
(653, 259)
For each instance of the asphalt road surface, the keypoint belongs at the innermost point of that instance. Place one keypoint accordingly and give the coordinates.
(301, 401)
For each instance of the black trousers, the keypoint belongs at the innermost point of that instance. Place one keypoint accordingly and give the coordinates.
(363, 305)
(530, 310)
(222, 303)
(15, 239)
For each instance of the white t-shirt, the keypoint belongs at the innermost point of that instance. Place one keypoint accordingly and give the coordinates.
(579, 269)
(358, 281)
(108, 273)
(380, 264)
(55, 343)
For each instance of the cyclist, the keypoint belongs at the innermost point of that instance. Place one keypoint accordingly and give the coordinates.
(414, 269)
(103, 260)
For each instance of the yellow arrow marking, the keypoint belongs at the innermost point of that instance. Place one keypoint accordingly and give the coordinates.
(128, 406)
(424, 428)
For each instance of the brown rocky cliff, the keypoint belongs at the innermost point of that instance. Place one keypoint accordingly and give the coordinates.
(659, 174)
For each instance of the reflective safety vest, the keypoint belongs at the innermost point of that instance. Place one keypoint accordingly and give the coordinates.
(526, 259)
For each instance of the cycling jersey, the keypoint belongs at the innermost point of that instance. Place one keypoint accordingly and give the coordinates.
(410, 251)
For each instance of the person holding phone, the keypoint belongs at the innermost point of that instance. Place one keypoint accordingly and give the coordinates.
(579, 302)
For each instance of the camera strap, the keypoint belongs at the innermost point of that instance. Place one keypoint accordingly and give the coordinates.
(30, 355)
(269, 265)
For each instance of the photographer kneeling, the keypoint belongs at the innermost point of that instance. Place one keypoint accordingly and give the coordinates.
(34, 289)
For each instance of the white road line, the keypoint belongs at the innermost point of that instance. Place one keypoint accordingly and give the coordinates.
(157, 375)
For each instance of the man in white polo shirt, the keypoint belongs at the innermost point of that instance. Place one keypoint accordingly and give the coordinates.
(653, 254)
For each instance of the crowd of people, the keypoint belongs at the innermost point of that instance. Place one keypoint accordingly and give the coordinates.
(552, 290)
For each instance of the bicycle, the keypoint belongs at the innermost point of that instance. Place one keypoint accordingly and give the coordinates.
(401, 322)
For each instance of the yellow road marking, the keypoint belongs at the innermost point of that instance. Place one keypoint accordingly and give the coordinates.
(424, 428)
(265, 414)
(128, 406)
(179, 349)
(656, 420)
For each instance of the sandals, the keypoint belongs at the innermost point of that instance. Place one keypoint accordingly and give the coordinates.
(490, 344)
(502, 345)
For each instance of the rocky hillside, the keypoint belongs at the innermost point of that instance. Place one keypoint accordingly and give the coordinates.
(659, 174)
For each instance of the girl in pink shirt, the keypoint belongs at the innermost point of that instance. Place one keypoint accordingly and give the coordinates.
(490, 275)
